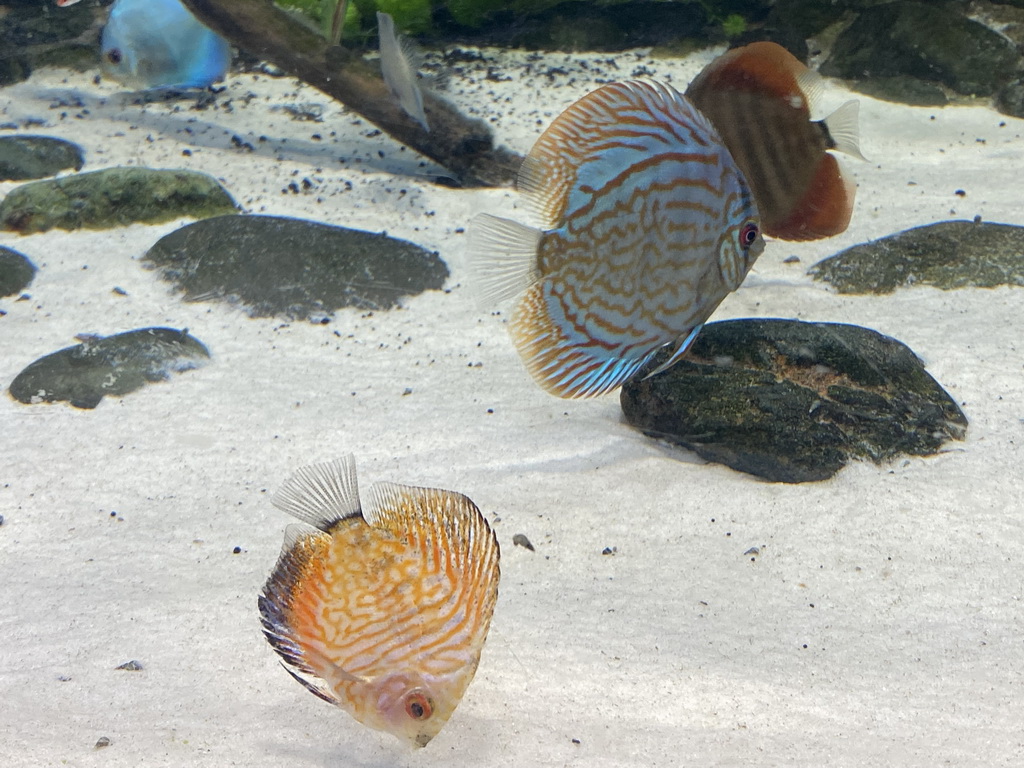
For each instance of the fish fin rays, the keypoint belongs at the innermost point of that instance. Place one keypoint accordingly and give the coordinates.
(681, 347)
(321, 494)
(843, 129)
(562, 366)
(504, 258)
(398, 66)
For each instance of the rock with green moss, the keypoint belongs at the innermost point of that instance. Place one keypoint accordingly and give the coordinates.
(36, 157)
(946, 255)
(792, 401)
(293, 268)
(113, 197)
(16, 272)
(84, 374)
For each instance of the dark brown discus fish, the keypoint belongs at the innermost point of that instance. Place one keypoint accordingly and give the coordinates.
(758, 98)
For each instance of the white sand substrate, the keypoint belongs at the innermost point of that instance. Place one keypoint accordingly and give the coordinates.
(881, 623)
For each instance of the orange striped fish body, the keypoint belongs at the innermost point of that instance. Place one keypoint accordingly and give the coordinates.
(649, 225)
(759, 98)
(382, 612)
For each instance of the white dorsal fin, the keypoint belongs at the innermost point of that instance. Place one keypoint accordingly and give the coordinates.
(812, 85)
(321, 494)
(396, 65)
(842, 127)
(503, 258)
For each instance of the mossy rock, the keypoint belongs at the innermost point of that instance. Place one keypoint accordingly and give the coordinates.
(84, 374)
(113, 197)
(793, 402)
(36, 157)
(946, 255)
(16, 272)
(293, 268)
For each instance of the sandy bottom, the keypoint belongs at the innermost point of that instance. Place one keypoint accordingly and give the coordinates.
(880, 623)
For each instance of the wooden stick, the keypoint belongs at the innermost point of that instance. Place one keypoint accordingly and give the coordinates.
(462, 145)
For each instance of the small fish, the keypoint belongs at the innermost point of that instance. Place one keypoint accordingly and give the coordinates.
(382, 611)
(649, 224)
(159, 44)
(65, 3)
(759, 98)
(398, 70)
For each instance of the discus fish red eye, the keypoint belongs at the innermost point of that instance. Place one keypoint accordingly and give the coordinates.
(748, 235)
(418, 707)
(114, 56)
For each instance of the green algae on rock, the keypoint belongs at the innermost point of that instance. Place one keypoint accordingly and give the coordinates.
(36, 157)
(792, 401)
(112, 365)
(946, 255)
(113, 197)
(16, 271)
(291, 267)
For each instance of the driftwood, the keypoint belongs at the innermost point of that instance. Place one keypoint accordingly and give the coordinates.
(463, 146)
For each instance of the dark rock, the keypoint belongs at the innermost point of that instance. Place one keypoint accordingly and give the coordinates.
(903, 89)
(35, 33)
(291, 267)
(927, 41)
(947, 255)
(111, 365)
(1010, 100)
(16, 272)
(113, 197)
(792, 401)
(36, 157)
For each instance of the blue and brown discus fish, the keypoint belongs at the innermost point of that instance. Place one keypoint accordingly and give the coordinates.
(647, 224)
(382, 611)
(759, 98)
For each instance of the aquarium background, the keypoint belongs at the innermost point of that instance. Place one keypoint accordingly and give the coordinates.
(672, 611)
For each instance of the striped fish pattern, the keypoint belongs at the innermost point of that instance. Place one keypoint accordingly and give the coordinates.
(383, 611)
(647, 224)
(759, 98)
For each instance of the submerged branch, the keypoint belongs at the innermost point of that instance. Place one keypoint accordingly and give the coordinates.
(462, 145)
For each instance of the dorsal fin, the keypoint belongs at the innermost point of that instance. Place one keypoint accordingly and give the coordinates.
(842, 128)
(321, 494)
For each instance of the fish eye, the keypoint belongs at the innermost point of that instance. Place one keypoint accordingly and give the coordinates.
(418, 706)
(748, 235)
(114, 56)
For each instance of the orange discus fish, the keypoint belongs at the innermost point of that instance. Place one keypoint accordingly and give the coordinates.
(382, 611)
(758, 97)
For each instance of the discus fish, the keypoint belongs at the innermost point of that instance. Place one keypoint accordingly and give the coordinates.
(381, 611)
(758, 97)
(398, 70)
(159, 44)
(649, 225)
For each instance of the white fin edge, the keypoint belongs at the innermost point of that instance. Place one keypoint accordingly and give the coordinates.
(398, 70)
(812, 85)
(321, 494)
(503, 258)
(843, 128)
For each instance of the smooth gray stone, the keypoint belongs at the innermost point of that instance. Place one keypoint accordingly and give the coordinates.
(36, 157)
(292, 267)
(112, 365)
(16, 271)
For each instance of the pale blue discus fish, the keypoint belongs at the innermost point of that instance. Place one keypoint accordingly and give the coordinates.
(159, 44)
(648, 224)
